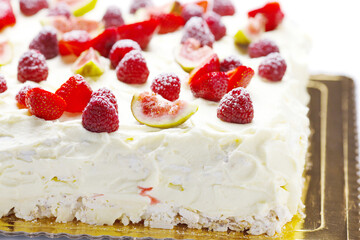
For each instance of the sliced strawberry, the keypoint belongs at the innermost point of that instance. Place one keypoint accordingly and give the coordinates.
(168, 22)
(74, 42)
(7, 17)
(104, 42)
(210, 86)
(140, 32)
(210, 64)
(240, 77)
(273, 14)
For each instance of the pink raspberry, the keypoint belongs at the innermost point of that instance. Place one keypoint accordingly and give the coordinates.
(20, 96)
(236, 107)
(31, 7)
(137, 4)
(32, 67)
(46, 42)
(120, 48)
(262, 48)
(3, 85)
(272, 67)
(167, 85)
(197, 28)
(217, 28)
(60, 9)
(104, 92)
(191, 10)
(113, 17)
(224, 7)
(132, 68)
(230, 63)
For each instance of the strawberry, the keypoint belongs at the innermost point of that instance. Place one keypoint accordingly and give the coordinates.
(273, 14)
(7, 16)
(104, 41)
(210, 64)
(44, 104)
(74, 42)
(132, 68)
(76, 92)
(240, 77)
(168, 22)
(3, 85)
(120, 48)
(211, 86)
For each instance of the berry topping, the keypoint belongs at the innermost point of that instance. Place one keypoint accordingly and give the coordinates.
(113, 17)
(210, 64)
(44, 104)
(46, 42)
(168, 22)
(88, 64)
(191, 10)
(236, 107)
(32, 67)
(31, 7)
(74, 42)
(224, 7)
(6, 52)
(262, 48)
(217, 28)
(100, 115)
(104, 42)
(167, 85)
(60, 9)
(132, 68)
(76, 92)
(211, 86)
(20, 96)
(120, 48)
(137, 4)
(240, 77)
(3, 86)
(80, 7)
(272, 67)
(273, 14)
(230, 63)
(7, 17)
(197, 28)
(104, 92)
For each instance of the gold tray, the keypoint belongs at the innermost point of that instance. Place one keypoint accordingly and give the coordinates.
(330, 194)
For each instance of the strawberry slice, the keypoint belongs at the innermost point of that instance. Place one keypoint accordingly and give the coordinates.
(74, 42)
(210, 64)
(273, 14)
(140, 32)
(240, 77)
(104, 41)
(7, 17)
(168, 22)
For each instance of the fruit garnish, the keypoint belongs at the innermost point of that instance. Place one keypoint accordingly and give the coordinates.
(7, 17)
(104, 92)
(168, 22)
(46, 42)
(74, 42)
(104, 41)
(44, 104)
(272, 67)
(100, 115)
(190, 55)
(60, 9)
(120, 48)
(191, 10)
(197, 28)
(88, 64)
(20, 96)
(140, 32)
(217, 28)
(31, 7)
(230, 63)
(273, 14)
(32, 67)
(262, 48)
(210, 86)
(210, 64)
(76, 92)
(132, 68)
(153, 110)
(224, 7)
(6, 52)
(137, 4)
(80, 7)
(113, 17)
(242, 39)
(167, 85)
(3, 85)
(236, 107)
(240, 77)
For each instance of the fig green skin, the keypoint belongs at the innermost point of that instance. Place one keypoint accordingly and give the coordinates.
(91, 68)
(183, 117)
(240, 38)
(84, 8)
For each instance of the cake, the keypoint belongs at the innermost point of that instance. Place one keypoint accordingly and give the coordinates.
(205, 173)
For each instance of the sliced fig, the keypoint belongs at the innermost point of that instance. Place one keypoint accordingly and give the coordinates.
(6, 52)
(154, 111)
(88, 64)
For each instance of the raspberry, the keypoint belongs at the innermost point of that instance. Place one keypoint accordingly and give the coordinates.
(223, 7)
(32, 67)
(167, 85)
(272, 67)
(191, 10)
(76, 92)
(137, 4)
(104, 92)
(113, 17)
(31, 7)
(20, 96)
(100, 116)
(46, 42)
(3, 86)
(60, 9)
(132, 68)
(236, 107)
(120, 48)
(44, 104)
(262, 48)
(217, 28)
(197, 28)
(211, 86)
(74, 42)
(230, 63)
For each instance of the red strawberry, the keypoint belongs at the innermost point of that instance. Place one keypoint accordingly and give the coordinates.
(168, 22)
(224, 7)
(44, 104)
(273, 14)
(104, 41)
(167, 85)
(240, 77)
(76, 92)
(20, 96)
(7, 17)
(211, 86)
(3, 85)
(210, 64)
(120, 48)
(132, 68)
(74, 42)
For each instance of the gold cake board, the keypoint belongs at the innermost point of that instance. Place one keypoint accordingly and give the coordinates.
(330, 194)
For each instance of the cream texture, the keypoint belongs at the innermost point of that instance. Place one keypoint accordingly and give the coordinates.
(205, 173)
